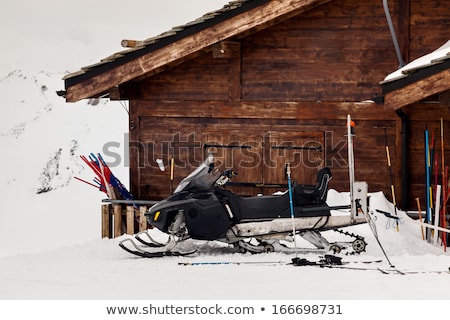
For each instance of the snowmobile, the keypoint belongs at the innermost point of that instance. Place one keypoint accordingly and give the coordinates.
(202, 208)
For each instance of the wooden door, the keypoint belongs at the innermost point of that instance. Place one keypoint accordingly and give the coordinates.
(260, 160)
(240, 151)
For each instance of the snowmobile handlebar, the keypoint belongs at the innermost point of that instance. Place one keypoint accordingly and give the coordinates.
(229, 173)
(226, 176)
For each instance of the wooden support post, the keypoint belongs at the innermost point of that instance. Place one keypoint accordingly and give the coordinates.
(117, 220)
(106, 221)
(130, 219)
(142, 218)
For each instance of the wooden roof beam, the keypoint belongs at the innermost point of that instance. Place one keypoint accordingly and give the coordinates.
(259, 18)
(417, 91)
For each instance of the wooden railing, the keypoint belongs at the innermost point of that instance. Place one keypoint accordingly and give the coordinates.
(124, 217)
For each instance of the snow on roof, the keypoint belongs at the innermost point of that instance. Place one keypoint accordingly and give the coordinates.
(438, 56)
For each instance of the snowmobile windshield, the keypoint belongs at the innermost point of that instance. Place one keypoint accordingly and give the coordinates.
(201, 178)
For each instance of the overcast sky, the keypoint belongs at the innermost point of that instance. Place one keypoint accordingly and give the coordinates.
(59, 36)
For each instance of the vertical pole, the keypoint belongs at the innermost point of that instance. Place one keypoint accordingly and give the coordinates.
(130, 219)
(172, 164)
(351, 166)
(117, 220)
(401, 62)
(427, 181)
(394, 201)
(106, 220)
(420, 218)
(142, 218)
(291, 204)
(436, 214)
(444, 188)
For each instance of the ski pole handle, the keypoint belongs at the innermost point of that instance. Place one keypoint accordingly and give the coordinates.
(172, 162)
(288, 169)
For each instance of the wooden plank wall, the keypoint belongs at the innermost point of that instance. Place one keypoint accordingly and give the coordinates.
(423, 15)
(335, 53)
(202, 78)
(163, 128)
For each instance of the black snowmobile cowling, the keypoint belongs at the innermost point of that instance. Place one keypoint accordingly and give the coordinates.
(209, 210)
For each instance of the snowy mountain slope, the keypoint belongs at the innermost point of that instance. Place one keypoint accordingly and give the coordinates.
(42, 138)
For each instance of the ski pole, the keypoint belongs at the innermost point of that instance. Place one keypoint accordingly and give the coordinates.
(436, 214)
(230, 262)
(291, 205)
(388, 156)
(172, 164)
(420, 218)
(444, 188)
(427, 179)
(351, 167)
(91, 184)
(373, 228)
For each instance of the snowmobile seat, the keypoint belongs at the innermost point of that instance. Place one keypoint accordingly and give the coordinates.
(313, 194)
(260, 208)
(265, 208)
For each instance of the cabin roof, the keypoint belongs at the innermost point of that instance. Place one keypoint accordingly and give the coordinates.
(147, 45)
(419, 79)
(149, 56)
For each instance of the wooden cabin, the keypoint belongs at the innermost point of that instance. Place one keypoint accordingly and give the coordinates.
(259, 83)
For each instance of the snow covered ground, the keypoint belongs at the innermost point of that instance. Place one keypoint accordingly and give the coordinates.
(50, 246)
(99, 269)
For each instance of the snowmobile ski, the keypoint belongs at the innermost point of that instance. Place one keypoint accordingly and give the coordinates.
(152, 243)
(151, 254)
